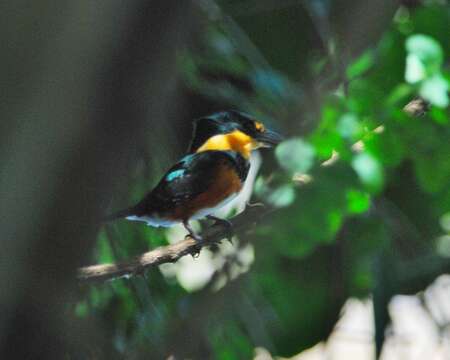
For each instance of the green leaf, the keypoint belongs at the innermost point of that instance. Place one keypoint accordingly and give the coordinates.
(317, 215)
(325, 138)
(433, 169)
(334, 221)
(360, 65)
(295, 155)
(425, 57)
(326, 142)
(362, 93)
(443, 245)
(415, 69)
(81, 309)
(228, 340)
(349, 127)
(357, 201)
(386, 146)
(105, 254)
(400, 93)
(282, 196)
(445, 222)
(435, 90)
(369, 170)
(425, 47)
(439, 115)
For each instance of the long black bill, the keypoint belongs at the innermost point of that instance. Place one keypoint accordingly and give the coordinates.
(269, 138)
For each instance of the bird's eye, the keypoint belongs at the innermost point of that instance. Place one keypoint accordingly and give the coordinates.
(259, 127)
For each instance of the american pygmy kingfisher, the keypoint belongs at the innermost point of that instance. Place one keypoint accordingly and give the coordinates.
(211, 174)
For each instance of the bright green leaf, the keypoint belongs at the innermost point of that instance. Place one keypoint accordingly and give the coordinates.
(439, 115)
(334, 221)
(357, 201)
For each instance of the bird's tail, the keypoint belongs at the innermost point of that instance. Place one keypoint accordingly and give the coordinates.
(119, 214)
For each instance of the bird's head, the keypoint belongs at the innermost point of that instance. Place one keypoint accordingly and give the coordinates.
(231, 130)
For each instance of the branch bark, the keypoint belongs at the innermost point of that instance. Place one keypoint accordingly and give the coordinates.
(416, 107)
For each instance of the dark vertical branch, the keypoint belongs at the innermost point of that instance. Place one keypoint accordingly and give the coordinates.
(385, 277)
(100, 81)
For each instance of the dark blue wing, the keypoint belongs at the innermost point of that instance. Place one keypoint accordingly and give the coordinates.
(191, 176)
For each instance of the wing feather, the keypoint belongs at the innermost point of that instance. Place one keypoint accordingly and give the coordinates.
(187, 179)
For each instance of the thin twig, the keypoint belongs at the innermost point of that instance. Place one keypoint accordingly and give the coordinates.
(417, 107)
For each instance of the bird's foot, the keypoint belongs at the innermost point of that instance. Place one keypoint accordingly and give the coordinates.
(225, 224)
(197, 247)
(196, 251)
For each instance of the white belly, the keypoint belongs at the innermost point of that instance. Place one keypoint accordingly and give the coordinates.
(208, 211)
(153, 220)
(161, 222)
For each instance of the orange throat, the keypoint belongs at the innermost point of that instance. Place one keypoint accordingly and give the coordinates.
(234, 141)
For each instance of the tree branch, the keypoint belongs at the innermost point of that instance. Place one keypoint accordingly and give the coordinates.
(170, 253)
(416, 107)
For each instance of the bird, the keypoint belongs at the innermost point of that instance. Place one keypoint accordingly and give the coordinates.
(209, 176)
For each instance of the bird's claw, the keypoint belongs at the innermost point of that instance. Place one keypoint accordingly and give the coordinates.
(225, 224)
(196, 251)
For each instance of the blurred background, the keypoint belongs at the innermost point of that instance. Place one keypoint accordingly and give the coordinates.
(97, 102)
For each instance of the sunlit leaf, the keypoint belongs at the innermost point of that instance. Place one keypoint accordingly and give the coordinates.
(369, 171)
(425, 57)
(282, 196)
(349, 127)
(435, 90)
(295, 155)
(415, 69)
(445, 222)
(443, 245)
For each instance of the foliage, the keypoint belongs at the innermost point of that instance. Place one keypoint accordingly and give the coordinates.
(383, 197)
